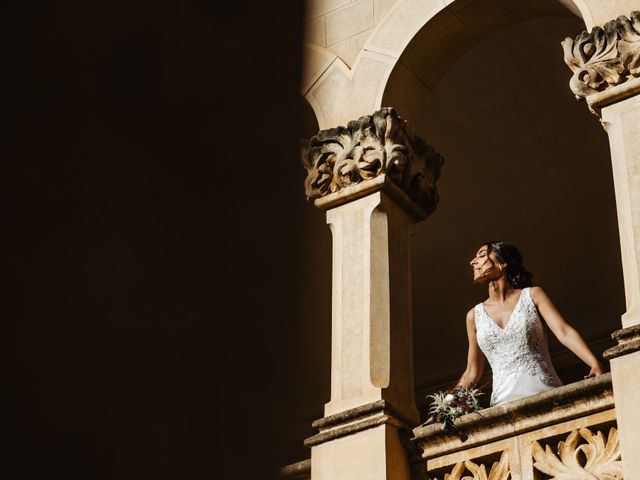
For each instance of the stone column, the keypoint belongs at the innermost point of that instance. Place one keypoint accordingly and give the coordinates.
(606, 66)
(375, 180)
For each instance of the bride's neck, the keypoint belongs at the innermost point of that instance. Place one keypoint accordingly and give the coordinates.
(499, 289)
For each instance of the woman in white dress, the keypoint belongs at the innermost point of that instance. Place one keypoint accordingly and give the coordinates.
(506, 329)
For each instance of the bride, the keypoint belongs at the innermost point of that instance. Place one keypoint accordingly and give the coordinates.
(507, 330)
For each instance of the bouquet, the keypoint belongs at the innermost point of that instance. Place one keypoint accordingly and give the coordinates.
(448, 405)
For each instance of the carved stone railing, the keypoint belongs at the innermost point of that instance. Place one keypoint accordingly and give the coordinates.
(566, 433)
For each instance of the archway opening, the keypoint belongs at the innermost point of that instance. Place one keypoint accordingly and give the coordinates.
(525, 163)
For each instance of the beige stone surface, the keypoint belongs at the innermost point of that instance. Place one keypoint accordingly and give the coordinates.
(362, 16)
(625, 374)
(604, 58)
(622, 123)
(395, 23)
(349, 20)
(340, 24)
(599, 12)
(317, 62)
(411, 92)
(587, 447)
(564, 403)
(544, 433)
(342, 94)
(296, 471)
(343, 50)
(406, 19)
(371, 339)
(371, 36)
(315, 31)
(372, 362)
(315, 8)
(357, 43)
(372, 454)
(375, 152)
(551, 450)
(572, 7)
(381, 9)
(481, 17)
(447, 40)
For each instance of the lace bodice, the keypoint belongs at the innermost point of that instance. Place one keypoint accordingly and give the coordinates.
(518, 353)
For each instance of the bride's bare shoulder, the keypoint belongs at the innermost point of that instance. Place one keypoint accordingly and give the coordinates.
(537, 292)
(471, 315)
(538, 295)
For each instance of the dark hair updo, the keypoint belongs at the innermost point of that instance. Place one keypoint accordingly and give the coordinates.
(517, 275)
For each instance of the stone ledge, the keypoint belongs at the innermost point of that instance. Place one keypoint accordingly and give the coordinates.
(626, 334)
(513, 418)
(343, 431)
(355, 420)
(367, 187)
(614, 94)
(628, 342)
(296, 471)
(349, 415)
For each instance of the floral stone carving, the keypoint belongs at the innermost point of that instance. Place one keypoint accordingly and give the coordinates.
(368, 147)
(606, 56)
(597, 459)
(499, 470)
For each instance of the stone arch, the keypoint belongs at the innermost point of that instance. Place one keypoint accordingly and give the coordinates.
(308, 122)
(503, 115)
(339, 93)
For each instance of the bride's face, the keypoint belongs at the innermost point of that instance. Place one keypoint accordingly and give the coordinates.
(485, 266)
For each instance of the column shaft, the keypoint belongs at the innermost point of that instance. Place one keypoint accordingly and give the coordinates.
(371, 334)
(622, 123)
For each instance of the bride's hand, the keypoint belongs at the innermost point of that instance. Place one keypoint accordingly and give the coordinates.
(595, 371)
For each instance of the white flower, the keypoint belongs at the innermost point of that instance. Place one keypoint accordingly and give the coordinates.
(449, 398)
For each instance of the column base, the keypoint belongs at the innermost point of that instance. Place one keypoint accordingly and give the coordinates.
(625, 376)
(369, 442)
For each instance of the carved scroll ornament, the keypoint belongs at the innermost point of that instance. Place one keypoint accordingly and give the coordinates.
(606, 56)
(368, 147)
(499, 470)
(597, 459)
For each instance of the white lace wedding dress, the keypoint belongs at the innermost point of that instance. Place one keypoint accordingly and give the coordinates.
(518, 354)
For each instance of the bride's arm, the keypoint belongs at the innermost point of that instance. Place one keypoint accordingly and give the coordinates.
(567, 335)
(475, 358)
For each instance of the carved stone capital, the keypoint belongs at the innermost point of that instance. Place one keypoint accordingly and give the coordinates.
(605, 57)
(374, 145)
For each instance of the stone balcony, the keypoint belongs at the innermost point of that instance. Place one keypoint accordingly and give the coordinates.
(569, 432)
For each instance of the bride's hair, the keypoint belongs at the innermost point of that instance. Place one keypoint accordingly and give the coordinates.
(517, 275)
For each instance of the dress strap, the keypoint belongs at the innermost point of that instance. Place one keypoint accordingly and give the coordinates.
(476, 312)
(527, 291)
